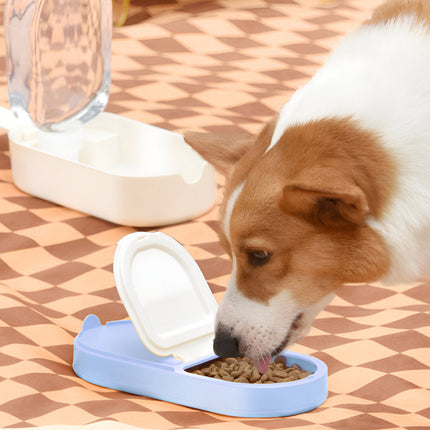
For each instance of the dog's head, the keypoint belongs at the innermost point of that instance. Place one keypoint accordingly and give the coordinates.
(293, 222)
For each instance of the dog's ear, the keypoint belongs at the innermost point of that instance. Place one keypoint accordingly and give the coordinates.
(325, 196)
(222, 150)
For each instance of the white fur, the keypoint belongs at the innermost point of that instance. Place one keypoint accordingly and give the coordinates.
(380, 76)
(229, 210)
(259, 327)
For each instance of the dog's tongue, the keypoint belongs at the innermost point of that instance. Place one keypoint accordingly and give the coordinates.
(262, 364)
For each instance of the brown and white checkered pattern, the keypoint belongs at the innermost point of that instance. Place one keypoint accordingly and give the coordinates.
(224, 65)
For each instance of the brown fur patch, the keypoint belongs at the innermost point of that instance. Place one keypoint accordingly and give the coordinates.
(308, 257)
(398, 8)
(334, 156)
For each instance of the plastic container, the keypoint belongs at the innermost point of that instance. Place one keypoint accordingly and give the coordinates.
(127, 172)
(58, 66)
(63, 150)
(171, 330)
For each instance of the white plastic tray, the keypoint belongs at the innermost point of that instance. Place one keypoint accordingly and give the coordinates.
(126, 172)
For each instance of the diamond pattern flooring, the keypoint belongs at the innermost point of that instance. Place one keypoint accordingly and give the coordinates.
(212, 65)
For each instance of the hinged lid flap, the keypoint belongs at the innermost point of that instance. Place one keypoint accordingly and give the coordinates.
(165, 295)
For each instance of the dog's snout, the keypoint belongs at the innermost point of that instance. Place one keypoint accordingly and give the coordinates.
(226, 345)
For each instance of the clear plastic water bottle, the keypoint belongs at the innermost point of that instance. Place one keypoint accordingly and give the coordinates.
(58, 65)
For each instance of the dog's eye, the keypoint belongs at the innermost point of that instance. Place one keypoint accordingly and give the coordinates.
(258, 258)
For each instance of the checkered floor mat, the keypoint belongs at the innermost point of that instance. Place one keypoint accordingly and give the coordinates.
(209, 65)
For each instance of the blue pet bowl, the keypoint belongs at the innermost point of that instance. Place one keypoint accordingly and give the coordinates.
(171, 331)
(113, 356)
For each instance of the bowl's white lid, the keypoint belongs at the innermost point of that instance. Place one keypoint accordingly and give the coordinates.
(165, 295)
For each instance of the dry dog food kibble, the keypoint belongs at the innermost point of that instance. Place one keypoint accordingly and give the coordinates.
(243, 370)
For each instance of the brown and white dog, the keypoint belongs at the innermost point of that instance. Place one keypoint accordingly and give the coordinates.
(334, 190)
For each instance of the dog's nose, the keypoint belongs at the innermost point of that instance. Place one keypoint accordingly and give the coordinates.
(225, 345)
